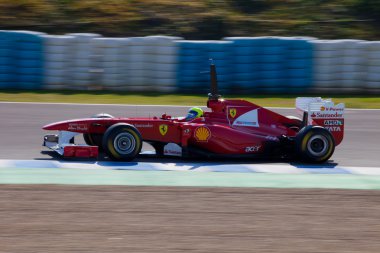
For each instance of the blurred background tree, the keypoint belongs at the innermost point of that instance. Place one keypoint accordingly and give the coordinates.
(197, 19)
(368, 8)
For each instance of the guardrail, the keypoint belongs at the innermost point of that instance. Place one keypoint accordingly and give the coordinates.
(33, 60)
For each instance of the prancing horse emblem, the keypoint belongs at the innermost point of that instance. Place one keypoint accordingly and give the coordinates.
(163, 129)
(232, 112)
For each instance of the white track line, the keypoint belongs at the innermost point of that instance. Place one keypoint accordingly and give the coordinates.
(196, 167)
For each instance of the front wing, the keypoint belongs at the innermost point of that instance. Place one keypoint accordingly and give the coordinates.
(64, 145)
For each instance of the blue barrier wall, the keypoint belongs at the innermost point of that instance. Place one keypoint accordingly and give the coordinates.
(262, 64)
(28, 60)
(298, 65)
(270, 64)
(21, 60)
(7, 75)
(222, 56)
(193, 65)
(271, 61)
(245, 65)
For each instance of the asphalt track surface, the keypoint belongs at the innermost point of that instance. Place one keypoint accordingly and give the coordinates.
(64, 218)
(21, 134)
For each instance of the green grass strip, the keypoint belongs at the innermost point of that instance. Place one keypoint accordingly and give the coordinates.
(195, 179)
(103, 97)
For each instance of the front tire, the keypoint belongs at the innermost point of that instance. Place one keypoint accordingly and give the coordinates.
(122, 142)
(96, 139)
(314, 144)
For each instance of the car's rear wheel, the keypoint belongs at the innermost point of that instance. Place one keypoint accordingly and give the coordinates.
(314, 144)
(122, 142)
(96, 139)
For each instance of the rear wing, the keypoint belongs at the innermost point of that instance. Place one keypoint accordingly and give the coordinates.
(323, 112)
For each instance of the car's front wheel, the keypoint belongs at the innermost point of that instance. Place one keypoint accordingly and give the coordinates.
(96, 139)
(122, 142)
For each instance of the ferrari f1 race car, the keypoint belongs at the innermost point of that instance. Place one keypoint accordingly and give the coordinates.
(232, 128)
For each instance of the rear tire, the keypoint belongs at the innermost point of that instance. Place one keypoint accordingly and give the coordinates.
(122, 142)
(314, 144)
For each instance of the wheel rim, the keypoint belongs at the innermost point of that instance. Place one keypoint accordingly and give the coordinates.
(318, 145)
(124, 143)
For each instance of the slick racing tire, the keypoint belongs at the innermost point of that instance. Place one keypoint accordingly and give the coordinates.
(96, 139)
(314, 144)
(122, 142)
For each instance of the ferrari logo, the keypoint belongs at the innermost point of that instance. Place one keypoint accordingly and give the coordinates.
(232, 112)
(163, 129)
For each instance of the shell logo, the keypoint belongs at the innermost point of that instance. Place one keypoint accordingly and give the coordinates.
(202, 134)
(323, 108)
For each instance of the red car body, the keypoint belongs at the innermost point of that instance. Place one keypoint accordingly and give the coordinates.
(230, 128)
(223, 131)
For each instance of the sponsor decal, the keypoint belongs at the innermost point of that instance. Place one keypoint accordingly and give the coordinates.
(143, 125)
(245, 123)
(335, 109)
(247, 119)
(271, 138)
(232, 112)
(172, 152)
(252, 149)
(163, 129)
(329, 112)
(331, 109)
(333, 123)
(326, 115)
(77, 127)
(172, 149)
(186, 131)
(334, 128)
(202, 134)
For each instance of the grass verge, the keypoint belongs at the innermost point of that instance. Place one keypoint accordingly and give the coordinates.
(102, 97)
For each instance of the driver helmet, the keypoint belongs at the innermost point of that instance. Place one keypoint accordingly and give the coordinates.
(194, 113)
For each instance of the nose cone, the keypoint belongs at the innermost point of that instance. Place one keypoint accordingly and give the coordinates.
(56, 126)
(79, 125)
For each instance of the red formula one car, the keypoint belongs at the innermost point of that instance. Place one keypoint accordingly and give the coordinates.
(232, 128)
